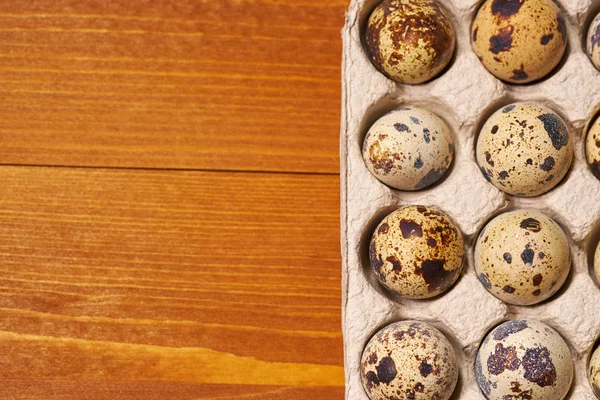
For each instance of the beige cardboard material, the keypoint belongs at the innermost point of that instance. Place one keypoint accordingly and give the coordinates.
(465, 95)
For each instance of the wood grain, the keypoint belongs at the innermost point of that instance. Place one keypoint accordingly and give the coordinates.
(220, 85)
(168, 284)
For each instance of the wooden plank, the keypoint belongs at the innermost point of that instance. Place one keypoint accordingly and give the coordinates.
(227, 85)
(155, 282)
(89, 390)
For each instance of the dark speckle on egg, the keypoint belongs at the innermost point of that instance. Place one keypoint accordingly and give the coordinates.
(527, 256)
(418, 163)
(548, 164)
(546, 39)
(520, 74)
(506, 8)
(502, 41)
(427, 135)
(508, 289)
(556, 129)
(485, 281)
(401, 127)
(531, 224)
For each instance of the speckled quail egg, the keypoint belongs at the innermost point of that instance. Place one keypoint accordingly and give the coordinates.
(524, 359)
(417, 252)
(410, 41)
(594, 372)
(519, 41)
(522, 257)
(409, 360)
(408, 149)
(593, 42)
(592, 148)
(597, 264)
(524, 149)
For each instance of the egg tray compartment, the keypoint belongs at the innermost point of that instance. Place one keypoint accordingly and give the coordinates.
(464, 96)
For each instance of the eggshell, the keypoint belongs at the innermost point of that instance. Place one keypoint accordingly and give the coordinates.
(519, 41)
(597, 264)
(592, 148)
(408, 149)
(524, 149)
(409, 360)
(594, 372)
(593, 42)
(417, 252)
(522, 257)
(524, 359)
(410, 41)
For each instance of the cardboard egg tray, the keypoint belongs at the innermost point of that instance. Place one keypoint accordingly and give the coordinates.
(464, 96)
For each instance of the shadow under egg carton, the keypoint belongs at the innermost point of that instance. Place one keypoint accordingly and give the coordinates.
(464, 95)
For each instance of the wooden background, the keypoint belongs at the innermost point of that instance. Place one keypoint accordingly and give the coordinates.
(169, 207)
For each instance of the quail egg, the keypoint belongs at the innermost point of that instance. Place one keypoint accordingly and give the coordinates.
(519, 41)
(593, 42)
(522, 257)
(410, 41)
(594, 372)
(592, 147)
(597, 264)
(417, 252)
(524, 359)
(408, 149)
(409, 360)
(524, 149)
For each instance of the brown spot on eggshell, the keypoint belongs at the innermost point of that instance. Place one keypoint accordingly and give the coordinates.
(537, 279)
(538, 366)
(531, 225)
(546, 39)
(373, 359)
(508, 289)
(515, 387)
(435, 275)
(503, 358)
(519, 74)
(506, 8)
(502, 41)
(425, 369)
(410, 228)
(395, 263)
(383, 228)
(386, 370)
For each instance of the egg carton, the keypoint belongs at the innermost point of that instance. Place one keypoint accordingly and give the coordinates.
(465, 95)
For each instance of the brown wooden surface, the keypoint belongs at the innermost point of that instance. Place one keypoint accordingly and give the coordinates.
(169, 211)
